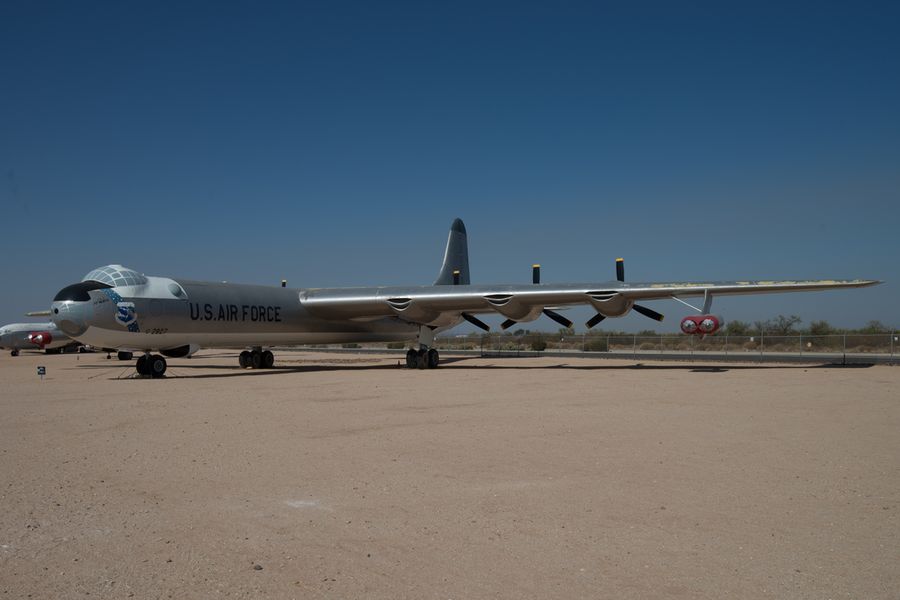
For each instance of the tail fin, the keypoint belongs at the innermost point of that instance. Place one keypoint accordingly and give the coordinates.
(456, 256)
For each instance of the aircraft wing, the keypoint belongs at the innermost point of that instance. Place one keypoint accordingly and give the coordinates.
(443, 305)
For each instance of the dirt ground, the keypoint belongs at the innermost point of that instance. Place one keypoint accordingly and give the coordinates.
(345, 476)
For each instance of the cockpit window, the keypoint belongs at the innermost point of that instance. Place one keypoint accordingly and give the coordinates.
(78, 292)
(116, 276)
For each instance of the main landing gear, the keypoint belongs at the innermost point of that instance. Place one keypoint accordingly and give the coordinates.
(256, 359)
(425, 357)
(153, 365)
(14, 353)
(422, 359)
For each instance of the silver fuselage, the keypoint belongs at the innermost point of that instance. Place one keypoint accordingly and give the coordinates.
(166, 313)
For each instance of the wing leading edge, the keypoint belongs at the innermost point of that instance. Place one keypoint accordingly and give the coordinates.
(444, 304)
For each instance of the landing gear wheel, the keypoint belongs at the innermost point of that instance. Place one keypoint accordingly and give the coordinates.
(125, 356)
(433, 358)
(421, 359)
(244, 359)
(268, 359)
(411, 359)
(142, 366)
(14, 353)
(256, 359)
(157, 366)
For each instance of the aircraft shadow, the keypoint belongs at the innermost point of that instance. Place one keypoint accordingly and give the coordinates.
(183, 370)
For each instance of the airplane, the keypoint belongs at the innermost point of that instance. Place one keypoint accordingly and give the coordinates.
(117, 307)
(27, 336)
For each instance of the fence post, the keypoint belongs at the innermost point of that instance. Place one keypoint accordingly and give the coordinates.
(607, 343)
(726, 346)
(661, 350)
(634, 346)
(801, 344)
(762, 341)
(692, 348)
(892, 346)
(844, 353)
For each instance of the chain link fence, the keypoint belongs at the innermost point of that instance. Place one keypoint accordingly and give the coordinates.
(881, 345)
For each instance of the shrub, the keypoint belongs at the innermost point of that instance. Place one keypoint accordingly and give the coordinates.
(538, 344)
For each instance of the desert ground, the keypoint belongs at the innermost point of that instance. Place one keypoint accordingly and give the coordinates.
(346, 476)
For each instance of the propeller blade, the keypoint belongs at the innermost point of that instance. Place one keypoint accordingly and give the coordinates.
(620, 269)
(558, 318)
(507, 324)
(38, 313)
(594, 320)
(648, 312)
(535, 274)
(475, 321)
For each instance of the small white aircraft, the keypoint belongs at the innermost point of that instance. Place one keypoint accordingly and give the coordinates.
(33, 336)
(117, 307)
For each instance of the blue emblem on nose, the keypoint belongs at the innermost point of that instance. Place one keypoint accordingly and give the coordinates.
(125, 313)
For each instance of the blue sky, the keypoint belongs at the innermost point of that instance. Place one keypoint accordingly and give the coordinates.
(332, 143)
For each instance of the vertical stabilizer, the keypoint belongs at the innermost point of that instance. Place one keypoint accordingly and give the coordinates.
(456, 256)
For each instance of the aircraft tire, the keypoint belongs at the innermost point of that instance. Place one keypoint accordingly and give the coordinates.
(244, 359)
(142, 367)
(157, 366)
(422, 359)
(411, 359)
(256, 359)
(125, 355)
(14, 353)
(268, 359)
(433, 359)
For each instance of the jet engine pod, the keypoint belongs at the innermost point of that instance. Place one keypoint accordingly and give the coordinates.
(701, 324)
(40, 338)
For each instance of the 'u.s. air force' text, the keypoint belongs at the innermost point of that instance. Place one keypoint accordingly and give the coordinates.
(235, 312)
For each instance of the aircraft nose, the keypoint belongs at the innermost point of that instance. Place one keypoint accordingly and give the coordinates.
(71, 317)
(72, 308)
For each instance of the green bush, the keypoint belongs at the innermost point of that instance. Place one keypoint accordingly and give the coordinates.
(596, 345)
(538, 344)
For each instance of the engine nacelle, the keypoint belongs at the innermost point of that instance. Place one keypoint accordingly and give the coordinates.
(180, 351)
(701, 324)
(40, 338)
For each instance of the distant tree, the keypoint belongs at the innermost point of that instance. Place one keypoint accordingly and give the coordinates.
(519, 332)
(762, 326)
(875, 327)
(737, 328)
(647, 333)
(821, 328)
(783, 325)
(564, 331)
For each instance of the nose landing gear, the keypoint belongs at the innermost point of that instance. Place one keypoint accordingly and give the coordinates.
(256, 359)
(153, 365)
